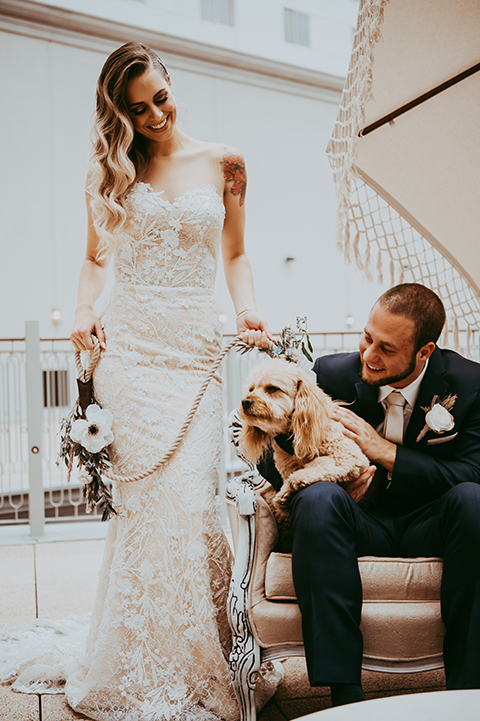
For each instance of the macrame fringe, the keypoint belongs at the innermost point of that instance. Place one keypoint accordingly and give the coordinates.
(367, 268)
(456, 341)
(356, 251)
(347, 245)
(364, 218)
(379, 267)
(357, 91)
(444, 336)
(392, 272)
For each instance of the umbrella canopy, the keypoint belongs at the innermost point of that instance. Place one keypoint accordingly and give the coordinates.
(406, 147)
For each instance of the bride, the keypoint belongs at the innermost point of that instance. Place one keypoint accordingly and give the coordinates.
(161, 203)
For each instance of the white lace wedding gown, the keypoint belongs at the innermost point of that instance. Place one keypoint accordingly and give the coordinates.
(158, 640)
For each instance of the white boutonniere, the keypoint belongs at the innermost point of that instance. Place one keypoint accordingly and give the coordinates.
(437, 416)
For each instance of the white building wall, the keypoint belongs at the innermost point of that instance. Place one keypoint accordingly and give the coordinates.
(258, 28)
(47, 89)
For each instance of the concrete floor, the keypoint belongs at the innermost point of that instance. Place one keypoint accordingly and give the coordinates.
(57, 577)
(52, 578)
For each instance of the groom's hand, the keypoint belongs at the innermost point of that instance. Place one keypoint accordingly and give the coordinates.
(376, 448)
(357, 489)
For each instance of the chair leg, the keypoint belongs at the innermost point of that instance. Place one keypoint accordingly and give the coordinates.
(245, 660)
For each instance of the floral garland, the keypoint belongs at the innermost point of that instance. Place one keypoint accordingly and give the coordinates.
(84, 436)
(289, 346)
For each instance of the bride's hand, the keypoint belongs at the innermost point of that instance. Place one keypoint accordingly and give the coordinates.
(254, 330)
(86, 324)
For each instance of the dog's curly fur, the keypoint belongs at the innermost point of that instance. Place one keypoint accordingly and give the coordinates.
(283, 398)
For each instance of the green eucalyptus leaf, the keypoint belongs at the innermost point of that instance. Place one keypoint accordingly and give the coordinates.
(306, 353)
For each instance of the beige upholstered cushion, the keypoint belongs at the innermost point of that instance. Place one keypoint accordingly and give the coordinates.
(404, 631)
(276, 624)
(401, 618)
(278, 578)
(400, 579)
(383, 579)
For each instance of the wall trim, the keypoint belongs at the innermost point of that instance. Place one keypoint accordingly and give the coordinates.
(46, 22)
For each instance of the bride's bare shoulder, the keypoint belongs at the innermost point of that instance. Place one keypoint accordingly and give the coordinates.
(225, 153)
(217, 152)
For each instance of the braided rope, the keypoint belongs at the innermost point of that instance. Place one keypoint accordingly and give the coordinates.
(84, 374)
(94, 358)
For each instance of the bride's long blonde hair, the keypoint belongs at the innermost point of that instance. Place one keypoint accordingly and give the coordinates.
(119, 156)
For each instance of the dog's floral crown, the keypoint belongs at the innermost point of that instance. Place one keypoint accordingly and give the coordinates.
(290, 345)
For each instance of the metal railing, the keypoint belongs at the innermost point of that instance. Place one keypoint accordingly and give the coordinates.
(38, 389)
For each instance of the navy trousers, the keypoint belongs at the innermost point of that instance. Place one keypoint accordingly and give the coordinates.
(330, 531)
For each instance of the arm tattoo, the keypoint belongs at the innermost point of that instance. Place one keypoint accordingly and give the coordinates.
(233, 167)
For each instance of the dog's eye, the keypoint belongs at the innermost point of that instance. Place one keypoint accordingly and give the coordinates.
(272, 389)
(251, 389)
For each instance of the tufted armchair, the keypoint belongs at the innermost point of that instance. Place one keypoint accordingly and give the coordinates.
(401, 622)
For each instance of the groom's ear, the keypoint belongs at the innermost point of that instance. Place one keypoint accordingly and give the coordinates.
(426, 351)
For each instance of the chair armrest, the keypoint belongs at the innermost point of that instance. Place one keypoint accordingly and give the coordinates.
(240, 499)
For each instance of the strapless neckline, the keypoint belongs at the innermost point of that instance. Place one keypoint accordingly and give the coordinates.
(209, 187)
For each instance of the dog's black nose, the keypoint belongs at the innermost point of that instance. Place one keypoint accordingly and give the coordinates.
(246, 403)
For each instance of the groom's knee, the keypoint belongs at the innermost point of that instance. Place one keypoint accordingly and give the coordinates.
(462, 504)
(316, 507)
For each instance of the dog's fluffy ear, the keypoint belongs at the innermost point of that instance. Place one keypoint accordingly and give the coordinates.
(253, 442)
(310, 419)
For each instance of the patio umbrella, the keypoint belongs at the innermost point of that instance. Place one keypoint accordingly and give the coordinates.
(406, 149)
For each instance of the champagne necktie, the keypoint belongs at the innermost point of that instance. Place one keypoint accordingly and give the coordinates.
(393, 426)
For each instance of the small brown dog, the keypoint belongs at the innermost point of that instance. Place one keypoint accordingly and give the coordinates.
(283, 398)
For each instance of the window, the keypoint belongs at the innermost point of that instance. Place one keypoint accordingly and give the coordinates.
(55, 389)
(297, 29)
(217, 11)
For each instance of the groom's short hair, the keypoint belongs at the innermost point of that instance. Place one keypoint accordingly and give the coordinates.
(420, 305)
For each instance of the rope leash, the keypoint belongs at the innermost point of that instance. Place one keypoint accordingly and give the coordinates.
(86, 374)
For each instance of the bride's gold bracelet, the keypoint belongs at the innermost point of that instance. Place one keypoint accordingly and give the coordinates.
(246, 310)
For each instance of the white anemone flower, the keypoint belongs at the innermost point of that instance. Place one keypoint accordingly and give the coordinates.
(94, 433)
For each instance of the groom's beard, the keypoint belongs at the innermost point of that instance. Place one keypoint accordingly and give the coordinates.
(391, 379)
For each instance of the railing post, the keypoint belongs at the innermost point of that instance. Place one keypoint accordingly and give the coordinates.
(36, 502)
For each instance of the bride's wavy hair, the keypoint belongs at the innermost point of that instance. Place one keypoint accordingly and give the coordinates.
(119, 156)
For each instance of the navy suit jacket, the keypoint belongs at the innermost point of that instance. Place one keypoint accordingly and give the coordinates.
(423, 471)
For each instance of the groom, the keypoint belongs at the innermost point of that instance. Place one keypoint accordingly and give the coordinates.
(421, 497)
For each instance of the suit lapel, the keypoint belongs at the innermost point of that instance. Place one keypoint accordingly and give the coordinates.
(366, 404)
(431, 385)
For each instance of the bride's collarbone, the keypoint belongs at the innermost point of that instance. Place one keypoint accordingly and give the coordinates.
(172, 187)
(171, 193)
(176, 175)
